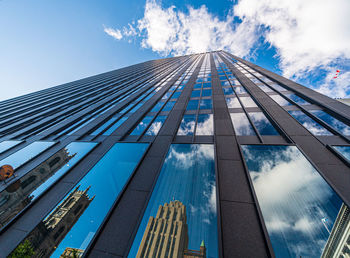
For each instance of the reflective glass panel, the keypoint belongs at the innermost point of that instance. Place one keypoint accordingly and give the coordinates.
(115, 126)
(168, 106)
(277, 87)
(344, 150)
(205, 124)
(265, 88)
(105, 125)
(187, 125)
(205, 104)
(176, 95)
(23, 155)
(156, 125)
(280, 100)
(192, 104)
(197, 86)
(247, 102)
(299, 208)
(196, 94)
(262, 124)
(142, 125)
(75, 220)
(233, 103)
(297, 99)
(310, 124)
(206, 93)
(21, 193)
(225, 83)
(330, 120)
(240, 90)
(241, 124)
(228, 91)
(183, 205)
(158, 106)
(207, 85)
(5, 145)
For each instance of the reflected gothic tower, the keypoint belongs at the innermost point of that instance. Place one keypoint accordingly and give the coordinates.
(166, 235)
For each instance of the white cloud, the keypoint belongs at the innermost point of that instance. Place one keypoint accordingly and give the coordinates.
(115, 33)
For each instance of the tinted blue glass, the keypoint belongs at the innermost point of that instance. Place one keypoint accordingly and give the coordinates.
(169, 106)
(89, 202)
(187, 125)
(206, 93)
(176, 95)
(5, 145)
(233, 103)
(156, 125)
(314, 127)
(23, 155)
(197, 86)
(262, 124)
(207, 85)
(225, 83)
(115, 126)
(335, 123)
(22, 192)
(136, 107)
(205, 104)
(187, 184)
(228, 91)
(297, 99)
(205, 124)
(105, 125)
(142, 125)
(281, 101)
(241, 124)
(344, 150)
(240, 90)
(192, 104)
(196, 94)
(158, 106)
(298, 206)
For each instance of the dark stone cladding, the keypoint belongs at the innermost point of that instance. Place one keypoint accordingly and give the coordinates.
(237, 203)
(26, 222)
(123, 223)
(336, 173)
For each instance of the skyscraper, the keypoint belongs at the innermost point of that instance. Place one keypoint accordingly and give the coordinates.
(260, 162)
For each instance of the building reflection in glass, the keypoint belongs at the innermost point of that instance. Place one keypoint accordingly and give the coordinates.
(21, 193)
(99, 189)
(181, 217)
(298, 206)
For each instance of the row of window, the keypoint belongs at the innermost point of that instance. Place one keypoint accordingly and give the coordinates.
(299, 208)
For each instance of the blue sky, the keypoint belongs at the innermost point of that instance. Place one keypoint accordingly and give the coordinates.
(44, 44)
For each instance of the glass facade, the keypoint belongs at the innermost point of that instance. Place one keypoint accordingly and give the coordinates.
(203, 155)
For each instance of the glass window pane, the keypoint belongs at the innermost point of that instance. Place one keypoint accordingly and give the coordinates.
(280, 100)
(176, 95)
(6, 145)
(228, 91)
(205, 124)
(205, 104)
(330, 120)
(276, 86)
(233, 103)
(142, 125)
(225, 83)
(344, 150)
(197, 86)
(298, 206)
(187, 125)
(310, 124)
(186, 188)
(207, 85)
(23, 155)
(89, 202)
(192, 104)
(262, 124)
(115, 126)
(169, 106)
(156, 125)
(21, 193)
(206, 93)
(297, 99)
(158, 106)
(241, 124)
(196, 94)
(239, 90)
(265, 88)
(247, 102)
(105, 125)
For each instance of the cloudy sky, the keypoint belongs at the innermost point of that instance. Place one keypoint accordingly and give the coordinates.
(44, 44)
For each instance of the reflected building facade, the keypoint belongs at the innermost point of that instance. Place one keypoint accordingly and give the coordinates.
(178, 150)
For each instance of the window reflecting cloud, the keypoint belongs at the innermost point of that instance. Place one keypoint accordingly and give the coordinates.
(156, 125)
(310, 124)
(187, 125)
(298, 206)
(205, 124)
(241, 124)
(332, 121)
(262, 124)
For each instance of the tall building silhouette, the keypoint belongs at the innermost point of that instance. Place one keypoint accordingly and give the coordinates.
(212, 98)
(166, 235)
